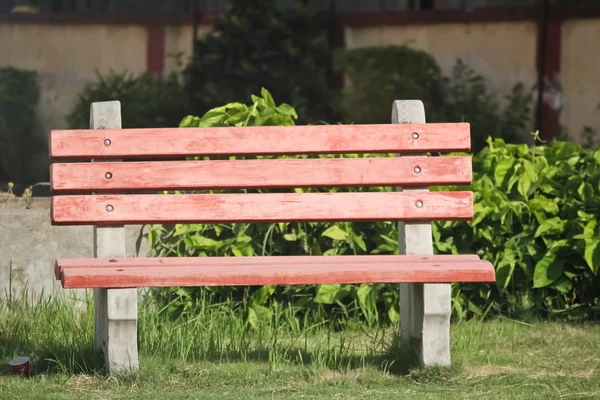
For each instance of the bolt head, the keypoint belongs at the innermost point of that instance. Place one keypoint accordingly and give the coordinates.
(415, 135)
(417, 170)
(108, 175)
(109, 208)
(107, 142)
(418, 204)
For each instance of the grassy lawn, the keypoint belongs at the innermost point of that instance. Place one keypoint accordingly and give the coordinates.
(213, 356)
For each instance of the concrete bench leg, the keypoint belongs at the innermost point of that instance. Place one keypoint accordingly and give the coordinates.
(115, 328)
(424, 308)
(425, 321)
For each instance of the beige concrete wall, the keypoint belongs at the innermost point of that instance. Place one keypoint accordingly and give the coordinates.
(178, 39)
(580, 76)
(503, 53)
(66, 57)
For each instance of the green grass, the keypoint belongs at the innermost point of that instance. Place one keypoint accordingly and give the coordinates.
(217, 355)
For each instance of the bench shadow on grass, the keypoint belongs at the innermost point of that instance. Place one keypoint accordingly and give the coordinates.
(396, 358)
(71, 359)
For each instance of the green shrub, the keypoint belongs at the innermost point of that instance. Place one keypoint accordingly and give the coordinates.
(536, 213)
(263, 44)
(20, 138)
(376, 76)
(379, 75)
(535, 220)
(147, 101)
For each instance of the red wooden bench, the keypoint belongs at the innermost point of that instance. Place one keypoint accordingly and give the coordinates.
(102, 193)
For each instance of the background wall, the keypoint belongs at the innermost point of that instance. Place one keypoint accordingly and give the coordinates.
(502, 44)
(503, 52)
(29, 247)
(68, 56)
(580, 75)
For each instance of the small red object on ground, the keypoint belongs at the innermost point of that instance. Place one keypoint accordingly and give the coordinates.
(20, 366)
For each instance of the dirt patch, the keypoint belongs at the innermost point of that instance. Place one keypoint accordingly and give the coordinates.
(490, 370)
(82, 382)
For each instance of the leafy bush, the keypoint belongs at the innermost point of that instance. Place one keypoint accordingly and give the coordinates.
(536, 212)
(263, 43)
(20, 138)
(379, 75)
(376, 76)
(149, 101)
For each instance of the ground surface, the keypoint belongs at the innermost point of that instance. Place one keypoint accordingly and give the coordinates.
(498, 359)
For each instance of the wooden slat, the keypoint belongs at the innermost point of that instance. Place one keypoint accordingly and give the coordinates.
(265, 140)
(260, 208)
(277, 271)
(201, 262)
(324, 172)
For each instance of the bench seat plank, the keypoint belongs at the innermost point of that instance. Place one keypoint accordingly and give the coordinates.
(298, 270)
(280, 173)
(75, 263)
(258, 140)
(260, 207)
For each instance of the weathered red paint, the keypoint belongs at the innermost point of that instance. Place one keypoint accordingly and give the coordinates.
(260, 207)
(119, 209)
(202, 262)
(281, 173)
(278, 271)
(269, 140)
(155, 53)
(549, 69)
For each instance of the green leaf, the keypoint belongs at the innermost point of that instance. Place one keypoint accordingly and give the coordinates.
(563, 284)
(189, 121)
(290, 237)
(261, 295)
(335, 232)
(547, 270)
(243, 249)
(589, 232)
(363, 292)
(504, 273)
(550, 227)
(287, 110)
(592, 255)
(393, 314)
(326, 293)
(524, 186)
(586, 191)
(186, 229)
(502, 169)
(267, 97)
(204, 243)
(258, 315)
(358, 240)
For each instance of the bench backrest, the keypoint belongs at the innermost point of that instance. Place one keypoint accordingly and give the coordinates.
(113, 192)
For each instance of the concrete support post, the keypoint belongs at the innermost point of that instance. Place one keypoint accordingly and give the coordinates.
(115, 310)
(424, 308)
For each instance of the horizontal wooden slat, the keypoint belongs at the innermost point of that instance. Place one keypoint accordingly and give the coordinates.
(263, 207)
(201, 262)
(265, 140)
(277, 270)
(324, 172)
